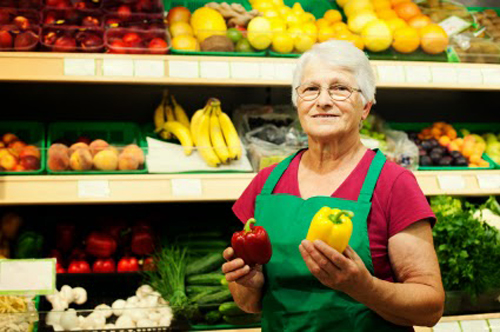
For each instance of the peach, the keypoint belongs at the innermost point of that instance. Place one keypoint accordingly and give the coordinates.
(115, 150)
(80, 160)
(136, 151)
(19, 168)
(97, 146)
(8, 162)
(77, 146)
(30, 163)
(3, 152)
(30, 150)
(58, 147)
(58, 160)
(106, 160)
(18, 146)
(127, 162)
(9, 137)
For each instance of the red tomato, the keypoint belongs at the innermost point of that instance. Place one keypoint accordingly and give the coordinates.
(128, 264)
(104, 266)
(60, 269)
(79, 267)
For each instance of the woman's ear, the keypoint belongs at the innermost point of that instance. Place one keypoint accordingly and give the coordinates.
(366, 110)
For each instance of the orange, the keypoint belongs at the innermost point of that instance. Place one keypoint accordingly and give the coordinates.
(386, 14)
(475, 159)
(339, 26)
(181, 28)
(453, 146)
(460, 142)
(396, 23)
(434, 39)
(397, 2)
(322, 22)
(186, 43)
(407, 10)
(381, 4)
(420, 21)
(451, 133)
(444, 140)
(325, 34)
(333, 16)
(407, 40)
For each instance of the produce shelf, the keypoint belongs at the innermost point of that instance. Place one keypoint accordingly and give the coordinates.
(227, 71)
(81, 189)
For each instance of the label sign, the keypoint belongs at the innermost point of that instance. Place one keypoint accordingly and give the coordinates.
(245, 70)
(470, 76)
(451, 182)
(447, 327)
(186, 187)
(444, 75)
(418, 74)
(487, 181)
(149, 68)
(117, 67)
(93, 189)
(183, 69)
(214, 69)
(474, 325)
(16, 276)
(79, 67)
(391, 74)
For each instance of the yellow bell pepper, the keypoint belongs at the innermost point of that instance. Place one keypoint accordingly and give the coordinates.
(332, 226)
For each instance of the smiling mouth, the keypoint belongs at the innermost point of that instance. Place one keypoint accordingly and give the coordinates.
(325, 116)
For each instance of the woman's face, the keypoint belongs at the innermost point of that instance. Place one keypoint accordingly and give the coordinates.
(323, 117)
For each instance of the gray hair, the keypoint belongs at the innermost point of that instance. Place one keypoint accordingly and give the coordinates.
(343, 54)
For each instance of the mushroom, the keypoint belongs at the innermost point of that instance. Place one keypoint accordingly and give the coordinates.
(118, 307)
(80, 295)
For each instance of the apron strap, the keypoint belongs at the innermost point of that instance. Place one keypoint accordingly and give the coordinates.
(276, 174)
(366, 193)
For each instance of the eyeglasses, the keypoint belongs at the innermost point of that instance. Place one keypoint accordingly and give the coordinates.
(339, 92)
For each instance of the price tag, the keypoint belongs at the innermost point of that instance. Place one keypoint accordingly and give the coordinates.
(470, 76)
(447, 327)
(474, 326)
(491, 76)
(183, 69)
(267, 71)
(16, 276)
(112, 67)
(453, 25)
(284, 71)
(418, 74)
(214, 69)
(149, 68)
(186, 187)
(487, 181)
(93, 189)
(245, 70)
(444, 75)
(79, 67)
(451, 182)
(393, 74)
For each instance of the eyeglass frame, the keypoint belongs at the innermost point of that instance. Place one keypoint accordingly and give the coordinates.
(350, 88)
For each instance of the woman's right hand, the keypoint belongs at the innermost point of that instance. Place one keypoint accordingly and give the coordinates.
(236, 270)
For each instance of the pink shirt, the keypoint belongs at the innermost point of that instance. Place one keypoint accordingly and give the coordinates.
(397, 203)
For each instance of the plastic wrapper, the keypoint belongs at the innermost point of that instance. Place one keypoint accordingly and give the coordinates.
(17, 313)
(132, 41)
(477, 50)
(69, 17)
(72, 39)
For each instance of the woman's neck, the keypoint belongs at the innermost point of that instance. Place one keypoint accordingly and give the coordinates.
(325, 156)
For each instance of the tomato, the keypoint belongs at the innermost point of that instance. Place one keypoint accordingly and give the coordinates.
(60, 269)
(104, 266)
(79, 267)
(128, 264)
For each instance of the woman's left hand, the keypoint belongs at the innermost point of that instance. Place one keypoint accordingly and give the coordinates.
(343, 272)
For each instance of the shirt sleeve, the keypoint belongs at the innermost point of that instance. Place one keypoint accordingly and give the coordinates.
(244, 207)
(407, 204)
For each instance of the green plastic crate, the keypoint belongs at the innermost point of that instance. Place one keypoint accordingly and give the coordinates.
(32, 133)
(418, 126)
(480, 129)
(222, 327)
(244, 54)
(118, 134)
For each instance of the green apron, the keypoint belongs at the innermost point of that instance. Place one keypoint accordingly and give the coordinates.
(294, 300)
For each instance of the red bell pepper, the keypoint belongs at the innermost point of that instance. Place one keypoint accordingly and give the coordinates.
(65, 237)
(59, 268)
(142, 242)
(104, 265)
(100, 245)
(79, 267)
(252, 244)
(128, 264)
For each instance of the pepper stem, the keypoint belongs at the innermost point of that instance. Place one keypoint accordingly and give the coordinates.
(248, 224)
(335, 217)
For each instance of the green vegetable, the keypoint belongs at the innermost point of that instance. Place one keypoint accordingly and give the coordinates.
(29, 245)
(196, 297)
(214, 279)
(192, 290)
(213, 317)
(219, 297)
(446, 205)
(492, 204)
(242, 319)
(230, 309)
(205, 264)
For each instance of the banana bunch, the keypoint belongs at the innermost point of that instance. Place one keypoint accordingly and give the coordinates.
(171, 119)
(215, 135)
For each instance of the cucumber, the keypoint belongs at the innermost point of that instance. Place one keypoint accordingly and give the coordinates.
(219, 297)
(230, 309)
(209, 279)
(205, 264)
(193, 290)
(242, 319)
(213, 317)
(196, 297)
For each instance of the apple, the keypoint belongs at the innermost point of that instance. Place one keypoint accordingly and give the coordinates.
(22, 23)
(157, 46)
(62, 5)
(8, 162)
(118, 47)
(9, 138)
(5, 40)
(2, 145)
(30, 163)
(19, 168)
(52, 3)
(65, 44)
(18, 146)
(91, 43)
(25, 40)
(131, 39)
(178, 14)
(3, 152)
(30, 150)
(90, 21)
(81, 5)
(124, 12)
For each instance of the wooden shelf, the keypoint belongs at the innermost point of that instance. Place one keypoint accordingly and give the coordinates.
(81, 189)
(227, 71)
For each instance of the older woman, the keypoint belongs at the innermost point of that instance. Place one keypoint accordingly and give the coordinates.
(388, 279)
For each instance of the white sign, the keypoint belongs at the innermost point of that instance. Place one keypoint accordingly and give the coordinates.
(470, 76)
(491, 76)
(453, 25)
(418, 74)
(393, 74)
(111, 67)
(149, 68)
(183, 69)
(444, 75)
(186, 187)
(267, 71)
(16, 276)
(447, 327)
(284, 71)
(79, 67)
(487, 181)
(451, 182)
(245, 70)
(214, 69)
(93, 189)
(474, 326)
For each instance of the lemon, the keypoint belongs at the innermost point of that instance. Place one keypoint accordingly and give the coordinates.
(278, 25)
(262, 6)
(325, 33)
(307, 18)
(284, 11)
(292, 20)
(283, 43)
(271, 13)
(342, 3)
(310, 29)
(333, 16)
(259, 33)
(297, 8)
(358, 21)
(355, 6)
(304, 43)
(396, 23)
(277, 3)
(377, 36)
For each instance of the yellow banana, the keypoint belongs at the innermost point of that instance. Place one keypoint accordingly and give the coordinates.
(180, 114)
(204, 143)
(195, 121)
(231, 136)
(159, 115)
(217, 138)
(182, 133)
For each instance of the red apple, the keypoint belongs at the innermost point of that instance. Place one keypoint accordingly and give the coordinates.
(62, 5)
(50, 38)
(22, 23)
(30, 150)
(157, 46)
(5, 40)
(17, 146)
(19, 168)
(178, 14)
(65, 44)
(118, 47)
(124, 12)
(91, 42)
(25, 41)
(131, 39)
(30, 163)
(90, 21)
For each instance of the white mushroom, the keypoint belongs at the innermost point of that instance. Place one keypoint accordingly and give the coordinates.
(81, 319)
(134, 300)
(69, 320)
(53, 317)
(80, 295)
(59, 304)
(104, 309)
(165, 322)
(124, 322)
(118, 307)
(109, 326)
(138, 314)
(161, 301)
(154, 316)
(144, 291)
(145, 323)
(57, 328)
(67, 294)
(150, 301)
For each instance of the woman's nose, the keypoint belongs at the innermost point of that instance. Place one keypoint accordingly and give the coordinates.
(324, 99)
